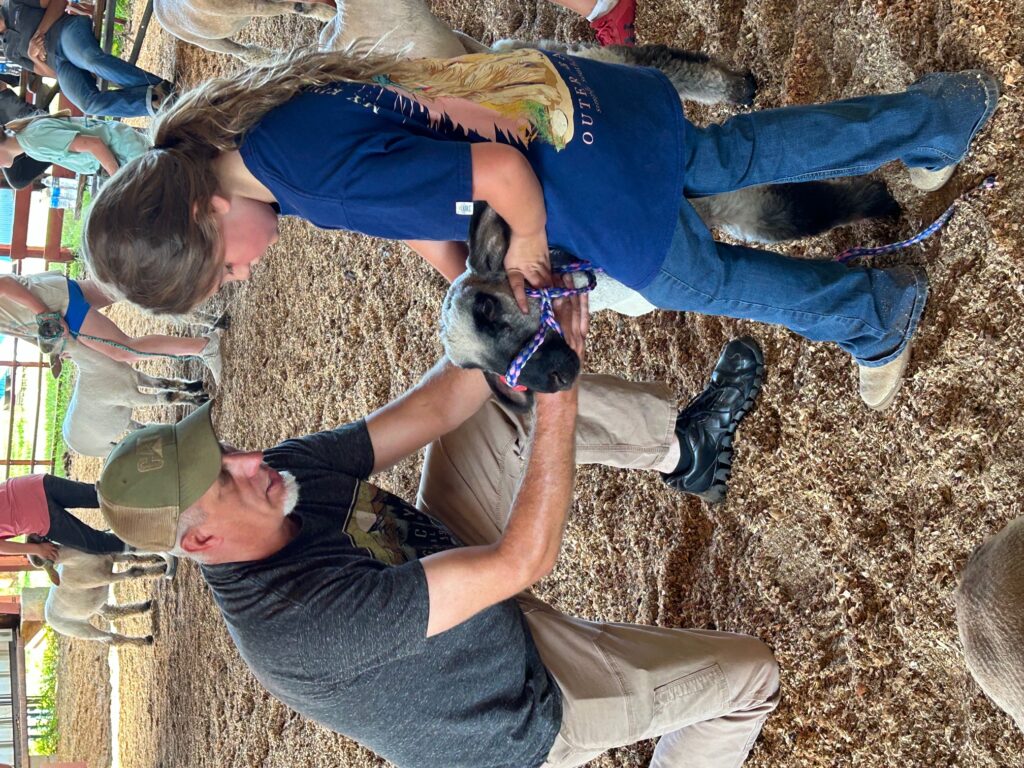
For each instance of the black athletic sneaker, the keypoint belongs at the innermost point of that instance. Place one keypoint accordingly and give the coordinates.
(705, 426)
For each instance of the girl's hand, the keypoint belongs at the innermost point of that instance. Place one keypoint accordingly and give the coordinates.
(527, 261)
(46, 550)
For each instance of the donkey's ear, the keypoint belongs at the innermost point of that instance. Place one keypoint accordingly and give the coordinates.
(488, 240)
(517, 401)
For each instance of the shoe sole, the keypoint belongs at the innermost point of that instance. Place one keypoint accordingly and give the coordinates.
(723, 465)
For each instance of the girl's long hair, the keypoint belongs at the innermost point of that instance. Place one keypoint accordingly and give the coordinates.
(18, 125)
(151, 235)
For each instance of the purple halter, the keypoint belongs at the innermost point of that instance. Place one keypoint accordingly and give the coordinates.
(547, 316)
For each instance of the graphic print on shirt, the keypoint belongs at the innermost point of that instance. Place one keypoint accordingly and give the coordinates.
(391, 531)
(519, 96)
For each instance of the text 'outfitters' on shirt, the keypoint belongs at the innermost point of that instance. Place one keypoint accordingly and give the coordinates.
(392, 159)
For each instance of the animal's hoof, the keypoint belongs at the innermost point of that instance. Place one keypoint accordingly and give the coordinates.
(224, 321)
(171, 565)
(147, 640)
(743, 90)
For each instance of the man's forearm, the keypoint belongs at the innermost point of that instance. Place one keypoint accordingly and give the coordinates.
(54, 10)
(536, 524)
(443, 399)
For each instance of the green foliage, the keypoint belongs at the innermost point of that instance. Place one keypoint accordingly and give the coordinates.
(71, 231)
(46, 742)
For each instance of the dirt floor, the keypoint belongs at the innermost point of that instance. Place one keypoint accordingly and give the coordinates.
(844, 532)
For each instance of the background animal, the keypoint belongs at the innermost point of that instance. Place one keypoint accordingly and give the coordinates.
(83, 593)
(211, 24)
(105, 393)
(990, 618)
(394, 26)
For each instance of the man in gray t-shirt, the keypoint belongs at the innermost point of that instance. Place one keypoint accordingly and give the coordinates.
(408, 628)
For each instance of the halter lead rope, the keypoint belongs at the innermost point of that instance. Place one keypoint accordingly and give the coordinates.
(852, 253)
(48, 328)
(547, 316)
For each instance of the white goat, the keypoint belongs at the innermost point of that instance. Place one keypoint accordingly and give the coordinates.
(990, 618)
(105, 393)
(83, 593)
(395, 26)
(210, 24)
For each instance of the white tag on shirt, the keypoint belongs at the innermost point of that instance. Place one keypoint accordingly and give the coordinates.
(464, 209)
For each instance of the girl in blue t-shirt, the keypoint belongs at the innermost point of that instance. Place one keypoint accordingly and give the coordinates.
(593, 157)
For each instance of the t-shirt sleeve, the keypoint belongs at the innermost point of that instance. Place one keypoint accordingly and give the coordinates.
(346, 449)
(47, 138)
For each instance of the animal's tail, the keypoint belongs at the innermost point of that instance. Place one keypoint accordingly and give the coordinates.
(777, 212)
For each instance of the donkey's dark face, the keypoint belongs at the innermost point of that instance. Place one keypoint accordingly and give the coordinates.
(481, 325)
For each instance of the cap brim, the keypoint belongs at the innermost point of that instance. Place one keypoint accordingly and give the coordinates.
(199, 455)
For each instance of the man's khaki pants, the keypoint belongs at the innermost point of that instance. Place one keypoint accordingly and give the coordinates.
(706, 694)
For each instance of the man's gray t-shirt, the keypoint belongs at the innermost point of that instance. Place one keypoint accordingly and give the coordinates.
(334, 625)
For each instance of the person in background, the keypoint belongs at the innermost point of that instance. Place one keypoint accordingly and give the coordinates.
(23, 170)
(42, 38)
(612, 20)
(80, 144)
(26, 300)
(39, 504)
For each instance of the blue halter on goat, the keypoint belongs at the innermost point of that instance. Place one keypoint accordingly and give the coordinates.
(547, 315)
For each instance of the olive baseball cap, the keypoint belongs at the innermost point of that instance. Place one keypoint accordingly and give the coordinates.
(156, 473)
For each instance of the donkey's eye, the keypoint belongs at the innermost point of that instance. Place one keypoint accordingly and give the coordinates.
(486, 308)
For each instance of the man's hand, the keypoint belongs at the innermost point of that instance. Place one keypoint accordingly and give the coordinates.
(527, 261)
(37, 49)
(573, 314)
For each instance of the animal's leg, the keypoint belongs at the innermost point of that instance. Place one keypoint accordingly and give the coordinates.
(250, 54)
(171, 391)
(187, 398)
(777, 212)
(116, 639)
(86, 631)
(139, 572)
(696, 77)
(324, 10)
(111, 612)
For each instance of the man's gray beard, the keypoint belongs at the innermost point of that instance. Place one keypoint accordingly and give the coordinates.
(291, 492)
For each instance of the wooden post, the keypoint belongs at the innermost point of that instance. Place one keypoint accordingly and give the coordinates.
(14, 563)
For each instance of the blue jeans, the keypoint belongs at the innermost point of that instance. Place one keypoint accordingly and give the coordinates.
(870, 313)
(78, 61)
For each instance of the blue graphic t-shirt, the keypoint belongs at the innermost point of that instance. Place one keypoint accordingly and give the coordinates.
(334, 625)
(393, 159)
